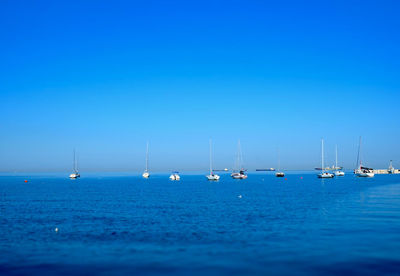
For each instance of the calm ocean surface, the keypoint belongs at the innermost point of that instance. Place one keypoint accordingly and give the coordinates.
(129, 225)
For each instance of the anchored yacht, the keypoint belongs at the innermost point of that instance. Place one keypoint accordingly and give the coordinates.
(174, 176)
(239, 172)
(324, 174)
(212, 176)
(75, 174)
(279, 173)
(362, 171)
(338, 172)
(146, 173)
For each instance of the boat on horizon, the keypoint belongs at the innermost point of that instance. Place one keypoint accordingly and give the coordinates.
(174, 176)
(279, 173)
(75, 173)
(362, 171)
(324, 174)
(391, 169)
(338, 172)
(212, 176)
(146, 173)
(265, 170)
(239, 172)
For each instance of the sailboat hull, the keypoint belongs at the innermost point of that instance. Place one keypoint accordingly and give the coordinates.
(369, 174)
(74, 175)
(146, 175)
(174, 177)
(326, 175)
(339, 173)
(238, 176)
(213, 177)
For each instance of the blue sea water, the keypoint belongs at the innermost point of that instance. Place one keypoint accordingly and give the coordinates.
(123, 224)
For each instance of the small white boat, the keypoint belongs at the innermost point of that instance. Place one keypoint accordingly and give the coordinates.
(391, 170)
(174, 176)
(239, 175)
(323, 173)
(338, 172)
(362, 171)
(279, 173)
(212, 176)
(239, 172)
(75, 174)
(146, 173)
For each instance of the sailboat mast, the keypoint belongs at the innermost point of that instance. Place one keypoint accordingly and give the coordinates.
(74, 162)
(239, 157)
(322, 155)
(147, 156)
(210, 158)
(336, 158)
(359, 154)
(279, 160)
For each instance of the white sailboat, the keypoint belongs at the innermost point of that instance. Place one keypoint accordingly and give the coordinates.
(146, 173)
(75, 174)
(324, 174)
(391, 170)
(239, 172)
(212, 176)
(279, 173)
(362, 171)
(338, 172)
(174, 176)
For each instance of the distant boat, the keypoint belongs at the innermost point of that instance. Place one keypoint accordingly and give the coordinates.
(239, 172)
(391, 170)
(324, 174)
(212, 176)
(146, 173)
(239, 175)
(279, 173)
(362, 171)
(174, 176)
(75, 173)
(338, 172)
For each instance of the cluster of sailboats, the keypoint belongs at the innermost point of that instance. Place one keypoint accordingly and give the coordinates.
(324, 173)
(361, 171)
(240, 173)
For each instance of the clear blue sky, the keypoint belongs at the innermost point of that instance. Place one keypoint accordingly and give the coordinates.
(106, 76)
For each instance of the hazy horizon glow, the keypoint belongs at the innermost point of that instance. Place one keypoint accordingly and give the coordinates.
(105, 77)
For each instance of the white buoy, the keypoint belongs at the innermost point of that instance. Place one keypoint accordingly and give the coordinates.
(239, 196)
(56, 229)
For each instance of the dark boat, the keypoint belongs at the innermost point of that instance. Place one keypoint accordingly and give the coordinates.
(280, 174)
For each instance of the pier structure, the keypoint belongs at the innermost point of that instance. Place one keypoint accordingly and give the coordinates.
(386, 171)
(389, 170)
